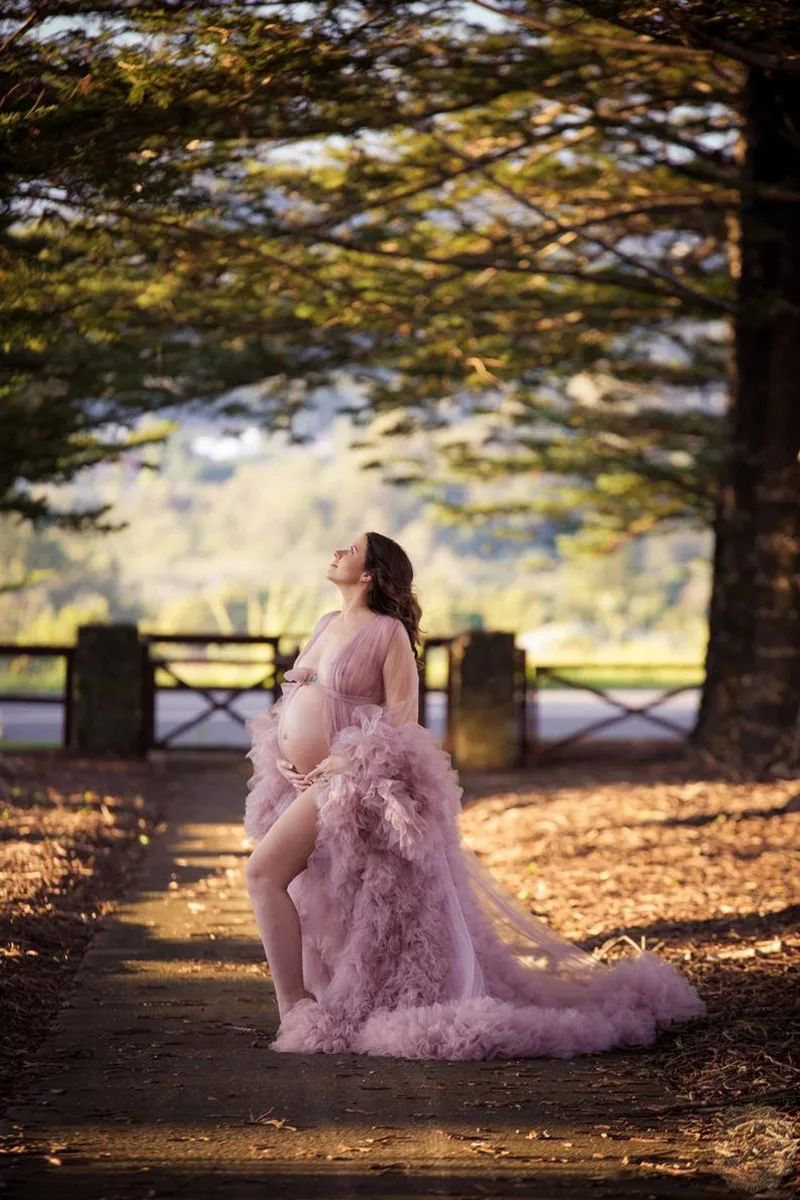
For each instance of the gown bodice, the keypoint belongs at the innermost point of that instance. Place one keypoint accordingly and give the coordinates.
(410, 947)
(374, 667)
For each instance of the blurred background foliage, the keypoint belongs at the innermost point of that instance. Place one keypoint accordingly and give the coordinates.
(234, 534)
(552, 245)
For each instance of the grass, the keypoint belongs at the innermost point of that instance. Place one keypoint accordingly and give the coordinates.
(46, 677)
(633, 675)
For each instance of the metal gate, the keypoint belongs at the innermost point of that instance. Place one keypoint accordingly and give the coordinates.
(207, 673)
(572, 679)
(205, 677)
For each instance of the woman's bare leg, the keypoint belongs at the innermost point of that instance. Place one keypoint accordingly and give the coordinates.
(281, 855)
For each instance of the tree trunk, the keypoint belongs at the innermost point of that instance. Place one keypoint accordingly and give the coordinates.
(751, 700)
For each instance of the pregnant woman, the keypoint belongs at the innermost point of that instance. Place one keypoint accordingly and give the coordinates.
(383, 932)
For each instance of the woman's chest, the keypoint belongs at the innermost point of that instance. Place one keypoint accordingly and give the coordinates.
(323, 658)
(347, 661)
(339, 648)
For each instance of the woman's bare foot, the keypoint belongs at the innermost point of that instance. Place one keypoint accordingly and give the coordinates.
(304, 995)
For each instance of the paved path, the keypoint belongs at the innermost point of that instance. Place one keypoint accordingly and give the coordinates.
(158, 1080)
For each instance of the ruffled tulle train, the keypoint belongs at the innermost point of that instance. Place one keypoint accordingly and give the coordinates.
(410, 946)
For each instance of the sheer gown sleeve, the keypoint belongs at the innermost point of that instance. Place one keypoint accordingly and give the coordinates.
(401, 679)
(381, 792)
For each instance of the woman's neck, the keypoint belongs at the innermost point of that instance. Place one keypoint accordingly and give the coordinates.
(354, 604)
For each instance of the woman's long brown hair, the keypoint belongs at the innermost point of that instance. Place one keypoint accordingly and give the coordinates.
(392, 588)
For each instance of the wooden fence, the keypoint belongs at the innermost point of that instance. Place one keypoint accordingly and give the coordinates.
(169, 660)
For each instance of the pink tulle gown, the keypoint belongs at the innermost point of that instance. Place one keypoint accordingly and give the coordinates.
(410, 946)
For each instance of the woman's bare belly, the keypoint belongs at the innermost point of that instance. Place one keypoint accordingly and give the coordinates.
(301, 733)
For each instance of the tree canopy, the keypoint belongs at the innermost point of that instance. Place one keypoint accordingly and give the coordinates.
(548, 240)
(129, 288)
(467, 217)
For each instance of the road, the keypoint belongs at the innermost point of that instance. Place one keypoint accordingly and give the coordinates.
(561, 712)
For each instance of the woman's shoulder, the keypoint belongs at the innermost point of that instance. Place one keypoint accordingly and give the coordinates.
(322, 623)
(384, 631)
(396, 639)
(383, 621)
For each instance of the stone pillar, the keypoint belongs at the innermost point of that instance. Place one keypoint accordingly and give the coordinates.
(484, 719)
(107, 714)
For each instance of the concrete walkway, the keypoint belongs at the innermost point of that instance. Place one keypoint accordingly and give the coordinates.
(158, 1079)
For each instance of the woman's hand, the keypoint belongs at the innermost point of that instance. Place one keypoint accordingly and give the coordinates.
(290, 773)
(331, 765)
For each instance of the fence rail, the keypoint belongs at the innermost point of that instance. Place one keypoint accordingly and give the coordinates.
(17, 650)
(218, 699)
(181, 663)
(545, 675)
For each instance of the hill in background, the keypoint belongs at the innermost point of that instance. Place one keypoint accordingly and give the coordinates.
(234, 533)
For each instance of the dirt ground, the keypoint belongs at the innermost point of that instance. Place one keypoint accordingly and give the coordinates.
(72, 833)
(702, 870)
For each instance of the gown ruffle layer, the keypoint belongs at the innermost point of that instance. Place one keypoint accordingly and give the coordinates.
(411, 947)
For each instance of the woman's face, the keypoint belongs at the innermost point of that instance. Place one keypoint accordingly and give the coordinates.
(347, 564)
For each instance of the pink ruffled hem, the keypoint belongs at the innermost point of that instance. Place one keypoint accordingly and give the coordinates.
(412, 949)
(625, 1006)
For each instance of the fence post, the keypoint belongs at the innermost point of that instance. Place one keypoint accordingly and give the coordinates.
(69, 689)
(147, 728)
(521, 694)
(533, 717)
(107, 710)
(485, 729)
(423, 687)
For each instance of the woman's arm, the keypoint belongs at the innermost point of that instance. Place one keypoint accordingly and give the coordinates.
(401, 679)
(391, 784)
